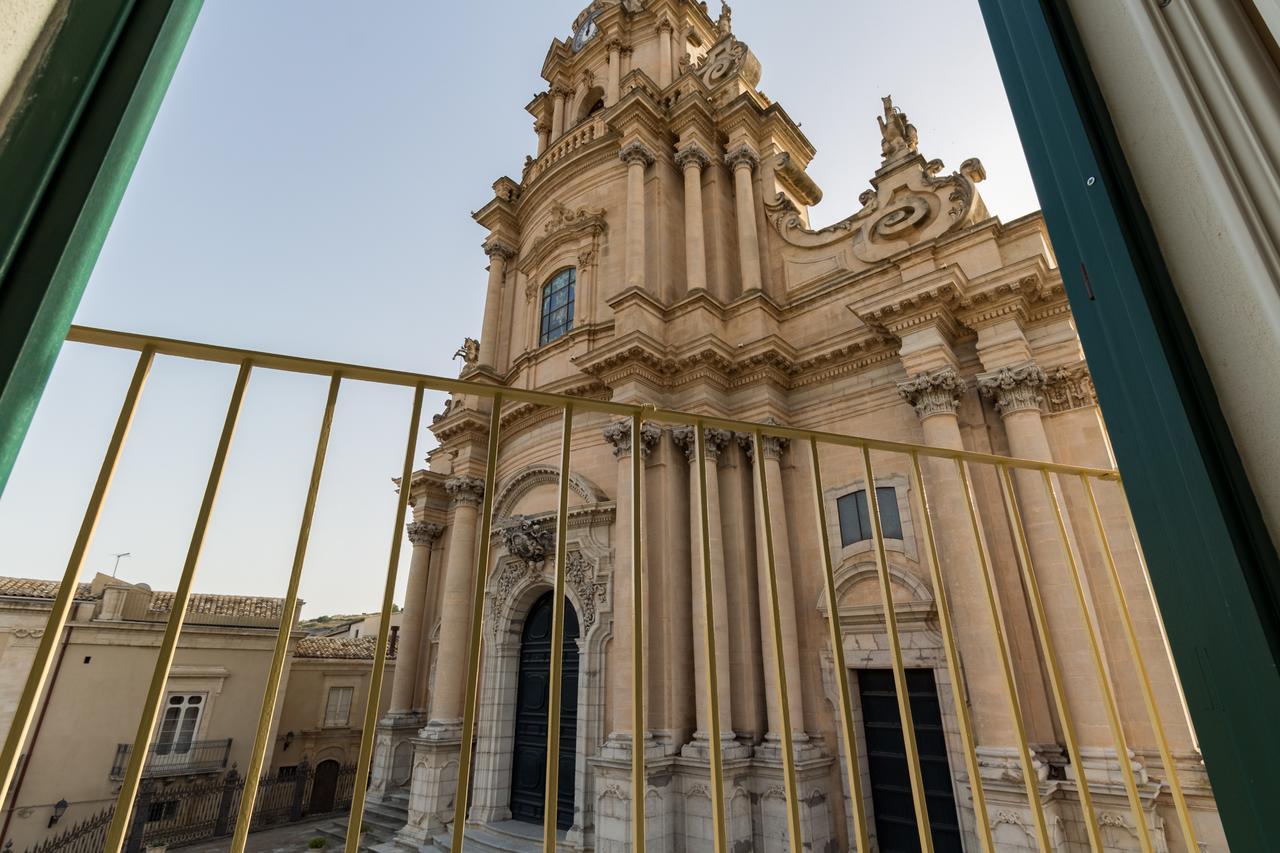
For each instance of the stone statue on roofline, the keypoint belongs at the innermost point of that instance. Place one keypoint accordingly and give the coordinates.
(898, 136)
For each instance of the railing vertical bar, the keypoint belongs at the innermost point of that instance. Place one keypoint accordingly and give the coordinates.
(287, 614)
(852, 768)
(1030, 779)
(1140, 666)
(1054, 672)
(24, 712)
(719, 829)
(895, 656)
(638, 726)
(471, 695)
(958, 692)
(177, 615)
(775, 625)
(551, 800)
(1100, 668)
(373, 696)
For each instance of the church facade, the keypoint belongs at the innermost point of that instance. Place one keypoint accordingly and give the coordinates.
(657, 249)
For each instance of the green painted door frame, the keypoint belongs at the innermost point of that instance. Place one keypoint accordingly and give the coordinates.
(65, 160)
(1212, 562)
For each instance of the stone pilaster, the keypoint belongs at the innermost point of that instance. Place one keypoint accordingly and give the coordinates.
(714, 442)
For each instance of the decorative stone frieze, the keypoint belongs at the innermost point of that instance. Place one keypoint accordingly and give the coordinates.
(618, 434)
(742, 156)
(714, 440)
(692, 155)
(1014, 389)
(636, 152)
(465, 490)
(424, 532)
(936, 393)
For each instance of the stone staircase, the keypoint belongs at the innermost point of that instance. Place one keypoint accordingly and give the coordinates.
(508, 836)
(382, 820)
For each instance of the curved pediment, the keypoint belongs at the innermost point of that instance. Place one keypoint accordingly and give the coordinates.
(536, 478)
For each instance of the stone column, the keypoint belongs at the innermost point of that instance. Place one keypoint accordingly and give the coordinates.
(773, 450)
(692, 159)
(716, 439)
(1018, 395)
(935, 396)
(435, 750)
(423, 535)
(743, 161)
(499, 253)
(543, 129)
(620, 666)
(638, 157)
(664, 52)
(614, 87)
(455, 606)
(558, 94)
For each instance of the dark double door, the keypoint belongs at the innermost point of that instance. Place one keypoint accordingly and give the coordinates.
(887, 760)
(529, 762)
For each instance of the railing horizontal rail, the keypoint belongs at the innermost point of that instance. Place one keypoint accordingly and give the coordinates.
(385, 376)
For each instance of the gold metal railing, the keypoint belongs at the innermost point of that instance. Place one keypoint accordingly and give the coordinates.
(1052, 475)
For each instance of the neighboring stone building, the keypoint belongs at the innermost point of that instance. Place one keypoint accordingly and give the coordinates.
(85, 727)
(657, 249)
(321, 717)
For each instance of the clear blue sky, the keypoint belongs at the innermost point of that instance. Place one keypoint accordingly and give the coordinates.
(307, 189)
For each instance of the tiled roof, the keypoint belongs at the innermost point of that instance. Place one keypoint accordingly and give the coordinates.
(30, 588)
(347, 648)
(222, 605)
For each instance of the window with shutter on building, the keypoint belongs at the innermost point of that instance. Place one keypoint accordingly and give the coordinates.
(337, 711)
(855, 516)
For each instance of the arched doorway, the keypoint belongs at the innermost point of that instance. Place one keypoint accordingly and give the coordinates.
(324, 787)
(528, 771)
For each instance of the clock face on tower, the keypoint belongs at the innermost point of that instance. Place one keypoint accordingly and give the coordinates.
(585, 31)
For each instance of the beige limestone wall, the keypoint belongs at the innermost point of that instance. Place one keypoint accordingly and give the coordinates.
(302, 711)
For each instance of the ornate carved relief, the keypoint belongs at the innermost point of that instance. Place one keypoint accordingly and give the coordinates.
(589, 591)
(936, 393)
(528, 540)
(636, 152)
(742, 156)
(692, 155)
(1014, 389)
(728, 59)
(1070, 388)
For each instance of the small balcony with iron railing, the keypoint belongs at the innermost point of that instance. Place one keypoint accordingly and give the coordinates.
(176, 759)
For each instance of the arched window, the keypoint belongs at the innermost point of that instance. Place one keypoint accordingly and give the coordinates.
(557, 306)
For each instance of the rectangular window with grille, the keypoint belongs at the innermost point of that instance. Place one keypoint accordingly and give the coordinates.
(337, 711)
(855, 517)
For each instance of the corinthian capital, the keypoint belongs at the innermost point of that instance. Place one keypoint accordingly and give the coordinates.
(618, 434)
(714, 441)
(742, 156)
(496, 249)
(424, 532)
(465, 491)
(936, 393)
(692, 155)
(1014, 389)
(636, 152)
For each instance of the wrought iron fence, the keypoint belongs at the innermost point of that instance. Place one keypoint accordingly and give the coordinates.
(179, 814)
(176, 759)
(1037, 546)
